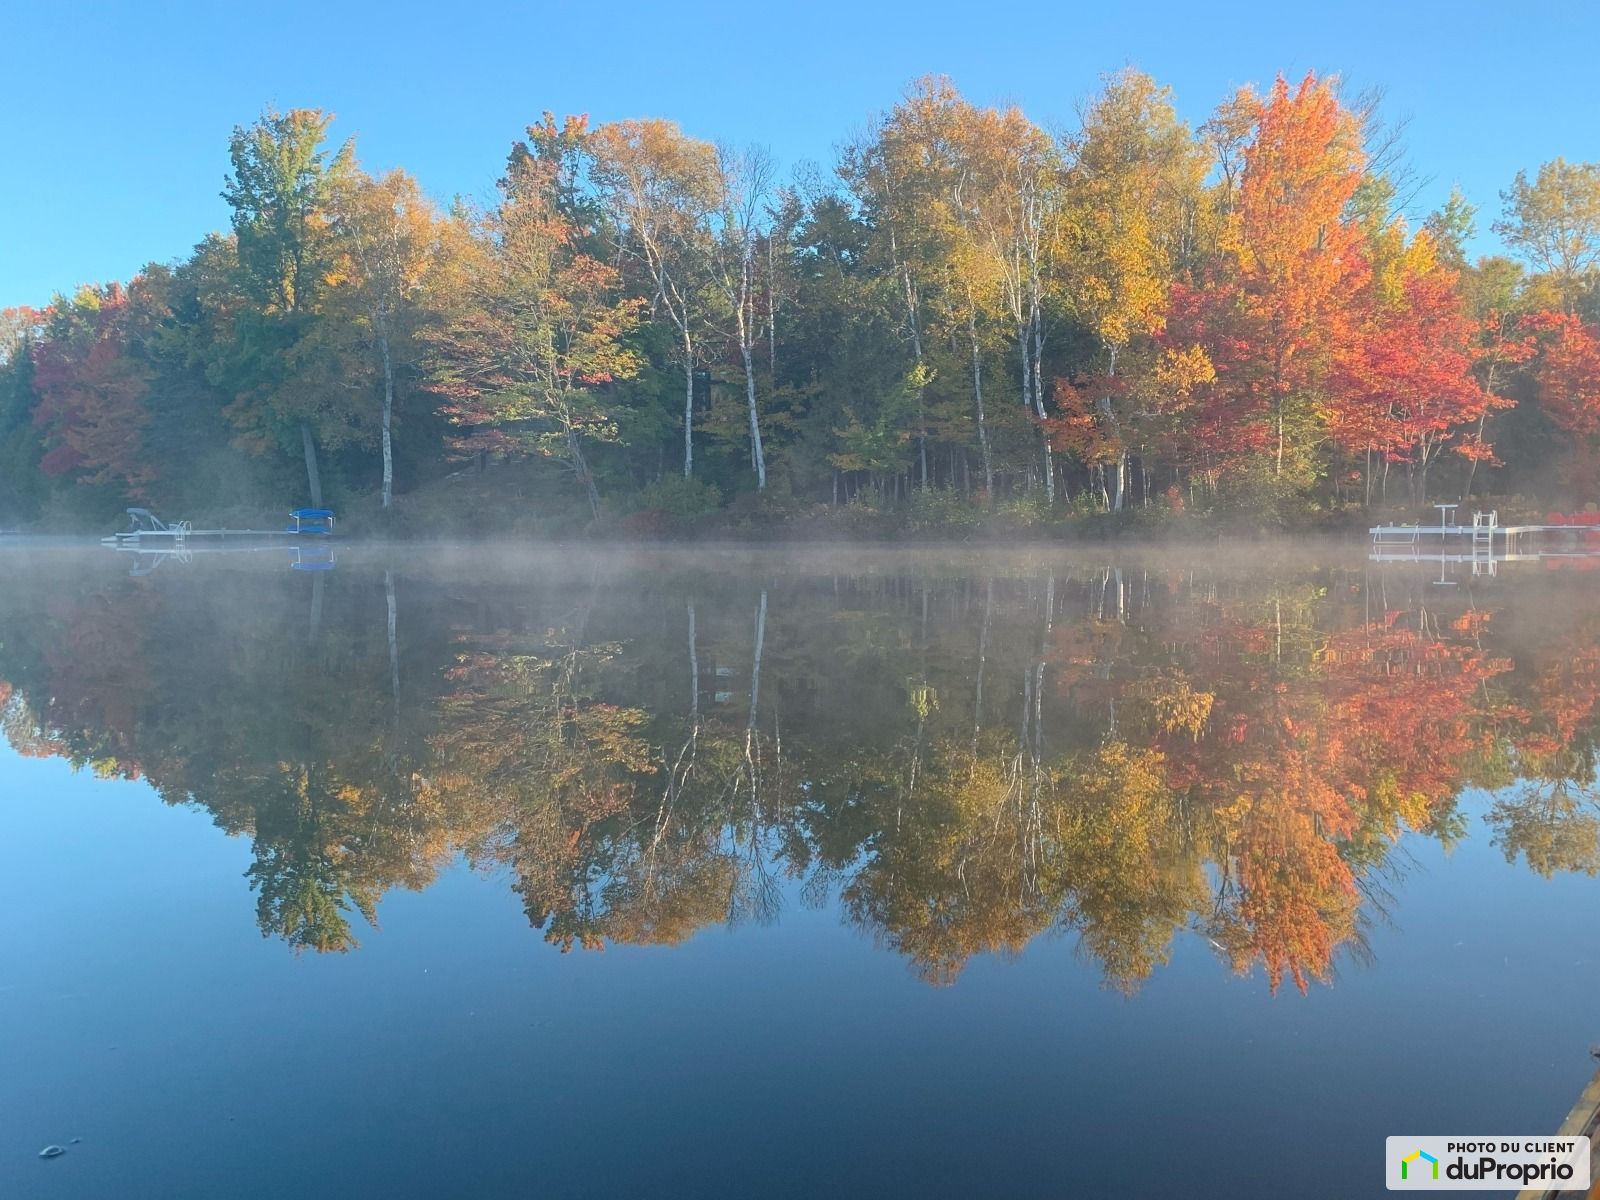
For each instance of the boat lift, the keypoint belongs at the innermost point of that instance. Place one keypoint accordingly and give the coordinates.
(142, 523)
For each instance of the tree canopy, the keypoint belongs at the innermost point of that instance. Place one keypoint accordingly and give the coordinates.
(968, 313)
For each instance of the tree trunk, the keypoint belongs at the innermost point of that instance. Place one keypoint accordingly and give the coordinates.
(977, 392)
(313, 476)
(580, 467)
(755, 419)
(1044, 442)
(388, 417)
(688, 406)
(1112, 420)
(1279, 470)
(772, 316)
(1472, 463)
(1024, 349)
(749, 331)
(1036, 321)
(914, 318)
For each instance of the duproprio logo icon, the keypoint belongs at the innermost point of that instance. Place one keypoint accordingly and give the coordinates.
(1405, 1163)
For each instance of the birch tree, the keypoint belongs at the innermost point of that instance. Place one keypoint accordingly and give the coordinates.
(745, 187)
(902, 172)
(1135, 186)
(661, 190)
(389, 236)
(1008, 204)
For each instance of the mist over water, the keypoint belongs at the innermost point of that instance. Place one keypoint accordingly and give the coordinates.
(722, 872)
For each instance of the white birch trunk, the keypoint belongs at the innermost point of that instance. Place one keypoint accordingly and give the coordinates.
(388, 412)
(688, 405)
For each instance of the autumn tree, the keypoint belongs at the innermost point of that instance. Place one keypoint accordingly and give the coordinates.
(1450, 228)
(1567, 376)
(17, 325)
(92, 378)
(1554, 222)
(1274, 301)
(1134, 207)
(1402, 385)
(661, 189)
(1007, 205)
(902, 173)
(535, 334)
(389, 241)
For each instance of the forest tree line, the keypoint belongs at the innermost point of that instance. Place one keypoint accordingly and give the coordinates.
(966, 312)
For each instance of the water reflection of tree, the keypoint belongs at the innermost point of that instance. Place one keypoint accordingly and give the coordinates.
(303, 896)
(1553, 825)
(1548, 813)
(221, 698)
(964, 762)
(523, 737)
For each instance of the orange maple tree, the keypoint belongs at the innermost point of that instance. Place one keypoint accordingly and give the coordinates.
(1275, 300)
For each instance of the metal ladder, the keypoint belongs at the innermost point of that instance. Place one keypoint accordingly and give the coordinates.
(1483, 527)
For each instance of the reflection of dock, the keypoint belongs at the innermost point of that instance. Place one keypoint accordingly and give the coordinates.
(1582, 1121)
(315, 557)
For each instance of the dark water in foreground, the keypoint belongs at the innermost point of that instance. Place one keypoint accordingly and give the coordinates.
(723, 875)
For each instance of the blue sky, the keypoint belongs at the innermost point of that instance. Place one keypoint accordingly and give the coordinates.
(117, 114)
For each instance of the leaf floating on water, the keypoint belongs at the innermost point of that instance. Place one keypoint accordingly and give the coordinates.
(52, 1152)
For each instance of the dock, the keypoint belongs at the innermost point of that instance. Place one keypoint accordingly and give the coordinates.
(148, 531)
(1485, 541)
(1582, 1121)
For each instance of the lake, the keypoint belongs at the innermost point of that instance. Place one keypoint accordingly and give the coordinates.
(725, 873)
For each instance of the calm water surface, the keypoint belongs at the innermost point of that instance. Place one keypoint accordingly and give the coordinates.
(720, 874)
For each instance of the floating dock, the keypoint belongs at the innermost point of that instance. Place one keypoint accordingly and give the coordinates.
(1485, 541)
(148, 531)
